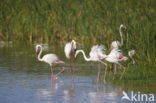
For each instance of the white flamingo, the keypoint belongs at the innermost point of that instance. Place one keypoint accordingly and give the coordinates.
(50, 59)
(97, 53)
(70, 49)
(130, 54)
(116, 44)
(116, 56)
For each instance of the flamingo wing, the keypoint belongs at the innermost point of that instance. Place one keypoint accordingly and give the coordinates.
(67, 49)
(97, 51)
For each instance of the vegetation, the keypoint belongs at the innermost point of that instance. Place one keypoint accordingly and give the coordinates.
(95, 21)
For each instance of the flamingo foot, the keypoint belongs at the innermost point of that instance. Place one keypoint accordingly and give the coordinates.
(54, 78)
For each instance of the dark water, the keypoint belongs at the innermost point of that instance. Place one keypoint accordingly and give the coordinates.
(23, 79)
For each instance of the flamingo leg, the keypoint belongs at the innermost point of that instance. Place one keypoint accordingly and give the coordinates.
(123, 71)
(98, 90)
(63, 68)
(52, 74)
(70, 67)
(110, 70)
(73, 67)
(71, 70)
(114, 71)
(98, 76)
(104, 81)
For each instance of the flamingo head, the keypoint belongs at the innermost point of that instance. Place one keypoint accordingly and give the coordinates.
(37, 46)
(124, 26)
(131, 53)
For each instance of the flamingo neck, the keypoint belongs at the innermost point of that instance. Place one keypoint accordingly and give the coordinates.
(121, 35)
(39, 55)
(84, 55)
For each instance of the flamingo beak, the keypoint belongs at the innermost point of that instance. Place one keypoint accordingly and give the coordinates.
(75, 50)
(36, 50)
(125, 27)
(125, 58)
(75, 55)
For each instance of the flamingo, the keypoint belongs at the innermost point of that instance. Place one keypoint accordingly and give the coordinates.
(70, 49)
(130, 54)
(50, 59)
(97, 53)
(116, 56)
(115, 44)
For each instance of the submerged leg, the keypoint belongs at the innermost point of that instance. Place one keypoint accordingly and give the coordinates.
(98, 76)
(104, 81)
(114, 71)
(73, 67)
(52, 75)
(63, 68)
(71, 75)
(70, 66)
(123, 71)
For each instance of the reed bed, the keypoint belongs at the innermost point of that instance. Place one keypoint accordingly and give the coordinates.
(95, 21)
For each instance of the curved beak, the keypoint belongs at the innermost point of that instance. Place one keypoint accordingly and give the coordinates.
(125, 27)
(75, 55)
(36, 50)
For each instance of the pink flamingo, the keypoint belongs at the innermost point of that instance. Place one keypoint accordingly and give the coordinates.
(116, 56)
(97, 53)
(50, 59)
(69, 50)
(116, 44)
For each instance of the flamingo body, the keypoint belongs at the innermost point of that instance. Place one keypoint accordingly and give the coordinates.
(116, 56)
(51, 59)
(97, 52)
(67, 50)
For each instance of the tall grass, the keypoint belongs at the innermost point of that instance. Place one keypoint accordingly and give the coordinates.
(95, 21)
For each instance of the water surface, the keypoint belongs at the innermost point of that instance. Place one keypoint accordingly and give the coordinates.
(23, 79)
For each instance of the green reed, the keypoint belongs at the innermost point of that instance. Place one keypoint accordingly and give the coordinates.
(93, 21)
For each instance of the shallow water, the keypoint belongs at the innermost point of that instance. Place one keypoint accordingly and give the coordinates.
(23, 79)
